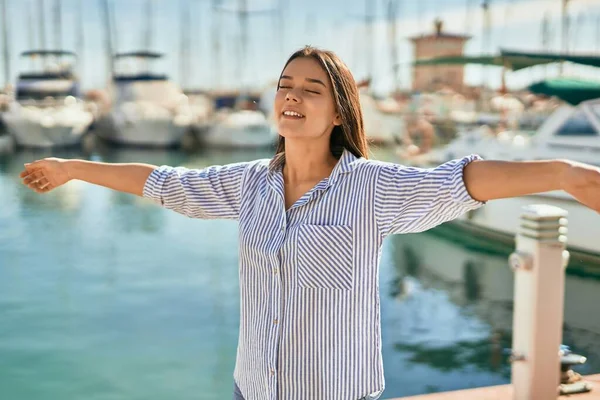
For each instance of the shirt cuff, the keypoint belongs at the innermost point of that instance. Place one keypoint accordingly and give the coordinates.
(460, 193)
(153, 188)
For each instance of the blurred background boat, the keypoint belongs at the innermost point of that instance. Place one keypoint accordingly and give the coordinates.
(143, 108)
(238, 122)
(46, 109)
(571, 132)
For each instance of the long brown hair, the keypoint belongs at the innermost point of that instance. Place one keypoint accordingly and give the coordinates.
(350, 134)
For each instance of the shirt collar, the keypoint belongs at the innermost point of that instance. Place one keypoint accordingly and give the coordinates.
(344, 165)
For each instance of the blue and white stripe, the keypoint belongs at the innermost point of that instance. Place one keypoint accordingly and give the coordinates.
(309, 292)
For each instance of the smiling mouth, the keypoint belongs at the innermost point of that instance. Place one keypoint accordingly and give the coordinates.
(292, 114)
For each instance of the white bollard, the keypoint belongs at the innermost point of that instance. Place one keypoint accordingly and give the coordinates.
(539, 264)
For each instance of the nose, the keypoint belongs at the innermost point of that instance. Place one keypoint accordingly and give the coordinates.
(292, 96)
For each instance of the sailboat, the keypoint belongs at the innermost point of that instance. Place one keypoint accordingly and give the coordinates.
(47, 109)
(243, 125)
(144, 109)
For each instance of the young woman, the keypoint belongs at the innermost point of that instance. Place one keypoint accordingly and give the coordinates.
(312, 220)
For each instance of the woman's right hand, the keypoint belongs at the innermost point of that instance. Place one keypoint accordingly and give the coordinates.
(45, 175)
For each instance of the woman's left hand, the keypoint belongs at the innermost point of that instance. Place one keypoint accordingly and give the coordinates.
(582, 181)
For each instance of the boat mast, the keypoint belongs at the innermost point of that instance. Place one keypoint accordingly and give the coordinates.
(369, 18)
(57, 24)
(281, 27)
(468, 17)
(5, 46)
(216, 43)
(42, 31)
(545, 36)
(392, 13)
(108, 43)
(80, 40)
(184, 48)
(485, 35)
(243, 21)
(30, 30)
(30, 27)
(148, 39)
(565, 32)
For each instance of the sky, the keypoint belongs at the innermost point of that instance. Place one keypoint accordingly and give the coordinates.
(278, 27)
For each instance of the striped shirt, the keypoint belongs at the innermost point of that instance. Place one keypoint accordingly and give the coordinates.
(309, 290)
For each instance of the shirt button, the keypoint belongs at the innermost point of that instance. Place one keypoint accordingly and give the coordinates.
(275, 271)
(275, 321)
(272, 372)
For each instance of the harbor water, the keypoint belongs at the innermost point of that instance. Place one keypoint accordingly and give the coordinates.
(107, 296)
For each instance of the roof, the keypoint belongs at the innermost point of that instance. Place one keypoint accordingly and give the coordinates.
(453, 36)
(514, 60)
(44, 53)
(139, 54)
(573, 91)
(547, 57)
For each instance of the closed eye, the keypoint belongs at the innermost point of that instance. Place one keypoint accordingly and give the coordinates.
(312, 91)
(285, 87)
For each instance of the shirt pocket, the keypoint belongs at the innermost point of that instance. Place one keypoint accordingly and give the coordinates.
(325, 259)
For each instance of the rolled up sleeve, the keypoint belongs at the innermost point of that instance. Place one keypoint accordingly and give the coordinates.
(410, 199)
(209, 193)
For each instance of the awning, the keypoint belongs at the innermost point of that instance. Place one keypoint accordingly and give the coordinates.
(513, 60)
(546, 57)
(573, 91)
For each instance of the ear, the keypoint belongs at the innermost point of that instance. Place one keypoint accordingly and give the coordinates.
(337, 121)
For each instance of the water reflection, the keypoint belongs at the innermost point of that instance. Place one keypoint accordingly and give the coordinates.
(480, 286)
(486, 354)
(471, 279)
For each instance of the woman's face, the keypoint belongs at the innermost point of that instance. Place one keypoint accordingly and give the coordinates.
(304, 106)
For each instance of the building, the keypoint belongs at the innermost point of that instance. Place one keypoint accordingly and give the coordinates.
(438, 44)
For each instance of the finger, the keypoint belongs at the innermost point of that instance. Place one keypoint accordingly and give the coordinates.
(44, 185)
(34, 181)
(32, 177)
(38, 177)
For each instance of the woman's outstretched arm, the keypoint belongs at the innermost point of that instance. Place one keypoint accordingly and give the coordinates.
(488, 180)
(50, 173)
(211, 192)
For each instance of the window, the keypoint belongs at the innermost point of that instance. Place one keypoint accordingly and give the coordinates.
(596, 109)
(577, 125)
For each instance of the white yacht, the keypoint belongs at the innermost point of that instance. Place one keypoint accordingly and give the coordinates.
(242, 126)
(143, 109)
(46, 109)
(571, 132)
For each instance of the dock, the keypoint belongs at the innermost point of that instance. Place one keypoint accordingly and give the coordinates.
(504, 392)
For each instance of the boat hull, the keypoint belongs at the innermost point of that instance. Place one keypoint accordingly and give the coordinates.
(239, 129)
(7, 144)
(32, 134)
(237, 137)
(153, 132)
(502, 217)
